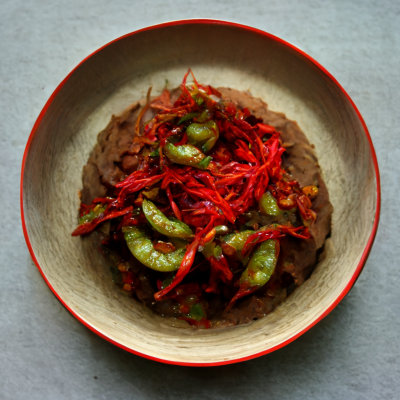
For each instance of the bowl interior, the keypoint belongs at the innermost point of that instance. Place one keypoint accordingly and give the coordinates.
(223, 55)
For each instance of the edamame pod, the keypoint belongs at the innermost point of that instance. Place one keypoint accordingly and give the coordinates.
(140, 245)
(186, 154)
(203, 136)
(268, 205)
(261, 265)
(221, 230)
(212, 250)
(237, 240)
(164, 225)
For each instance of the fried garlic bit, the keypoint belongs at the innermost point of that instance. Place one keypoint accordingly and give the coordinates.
(310, 191)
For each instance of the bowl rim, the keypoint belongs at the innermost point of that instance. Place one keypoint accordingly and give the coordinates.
(366, 251)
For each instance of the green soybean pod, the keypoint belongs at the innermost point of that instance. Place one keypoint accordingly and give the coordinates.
(268, 205)
(140, 245)
(186, 154)
(261, 264)
(168, 227)
(237, 240)
(203, 135)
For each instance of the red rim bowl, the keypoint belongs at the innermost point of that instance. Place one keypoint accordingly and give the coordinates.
(230, 55)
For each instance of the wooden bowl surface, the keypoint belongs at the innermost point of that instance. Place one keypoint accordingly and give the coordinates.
(222, 54)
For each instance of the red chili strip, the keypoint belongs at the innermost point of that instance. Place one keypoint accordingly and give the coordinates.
(259, 237)
(243, 291)
(174, 207)
(187, 261)
(186, 92)
(304, 204)
(136, 186)
(183, 269)
(206, 178)
(244, 153)
(129, 220)
(137, 125)
(89, 226)
(182, 141)
(301, 232)
(274, 233)
(219, 271)
(264, 129)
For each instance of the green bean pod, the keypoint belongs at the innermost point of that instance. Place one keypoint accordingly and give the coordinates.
(221, 230)
(186, 154)
(261, 265)
(164, 225)
(268, 205)
(237, 240)
(211, 249)
(140, 245)
(203, 136)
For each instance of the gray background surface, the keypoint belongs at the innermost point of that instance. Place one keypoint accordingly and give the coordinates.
(353, 353)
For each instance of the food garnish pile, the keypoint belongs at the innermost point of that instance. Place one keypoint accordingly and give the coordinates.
(196, 223)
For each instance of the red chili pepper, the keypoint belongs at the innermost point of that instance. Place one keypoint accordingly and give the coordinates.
(208, 237)
(242, 292)
(137, 124)
(301, 232)
(304, 204)
(212, 90)
(88, 227)
(182, 141)
(244, 152)
(206, 178)
(259, 237)
(219, 271)
(134, 186)
(129, 220)
(164, 247)
(197, 221)
(262, 184)
(185, 92)
(174, 207)
(274, 233)
(230, 108)
(163, 101)
(104, 200)
(264, 129)
(221, 154)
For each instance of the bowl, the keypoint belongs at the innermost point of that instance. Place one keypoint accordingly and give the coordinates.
(221, 54)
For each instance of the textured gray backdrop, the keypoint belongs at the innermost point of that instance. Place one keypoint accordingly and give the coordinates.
(353, 353)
